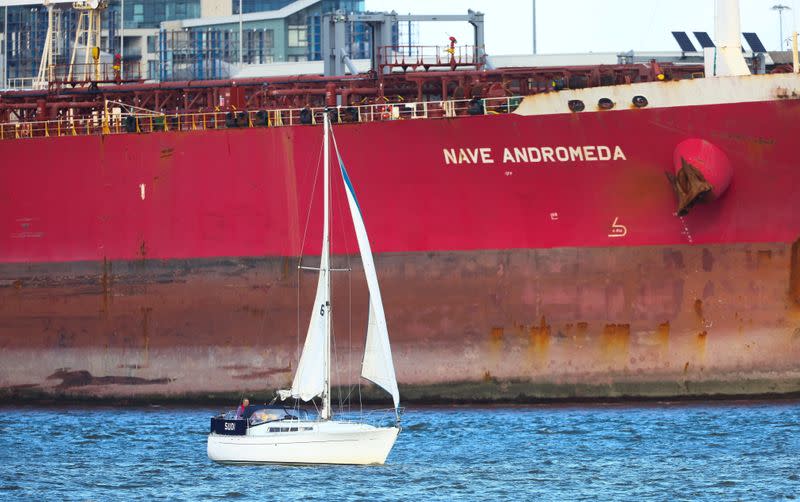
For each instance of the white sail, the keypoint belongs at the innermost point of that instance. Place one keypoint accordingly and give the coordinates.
(378, 366)
(309, 380)
(312, 377)
(323, 441)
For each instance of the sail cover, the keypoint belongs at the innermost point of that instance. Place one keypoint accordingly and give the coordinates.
(309, 380)
(377, 366)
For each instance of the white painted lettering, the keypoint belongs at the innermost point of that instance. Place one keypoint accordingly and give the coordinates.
(532, 154)
(467, 155)
(575, 153)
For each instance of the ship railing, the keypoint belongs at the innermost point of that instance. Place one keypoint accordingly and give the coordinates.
(116, 121)
(424, 57)
(94, 72)
(21, 82)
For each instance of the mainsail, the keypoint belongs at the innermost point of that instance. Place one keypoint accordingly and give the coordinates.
(378, 366)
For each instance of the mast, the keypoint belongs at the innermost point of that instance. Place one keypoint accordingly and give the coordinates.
(726, 60)
(326, 269)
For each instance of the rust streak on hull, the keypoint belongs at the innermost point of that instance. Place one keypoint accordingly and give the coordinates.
(555, 319)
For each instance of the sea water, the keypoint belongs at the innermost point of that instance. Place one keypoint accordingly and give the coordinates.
(664, 451)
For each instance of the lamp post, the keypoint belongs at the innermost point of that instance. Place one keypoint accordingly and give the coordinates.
(241, 39)
(534, 26)
(5, 48)
(122, 40)
(780, 8)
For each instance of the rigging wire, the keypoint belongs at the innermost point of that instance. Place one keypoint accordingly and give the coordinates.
(649, 30)
(303, 245)
(300, 257)
(338, 370)
(349, 291)
(350, 299)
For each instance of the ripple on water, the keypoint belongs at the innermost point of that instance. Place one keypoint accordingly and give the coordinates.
(594, 452)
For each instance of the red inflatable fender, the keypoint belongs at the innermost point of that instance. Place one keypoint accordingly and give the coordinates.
(707, 158)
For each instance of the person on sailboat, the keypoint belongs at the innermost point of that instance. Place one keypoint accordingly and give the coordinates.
(242, 408)
(322, 440)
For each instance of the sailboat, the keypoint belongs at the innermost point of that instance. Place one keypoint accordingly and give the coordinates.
(275, 434)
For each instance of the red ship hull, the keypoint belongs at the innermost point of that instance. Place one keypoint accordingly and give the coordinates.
(521, 256)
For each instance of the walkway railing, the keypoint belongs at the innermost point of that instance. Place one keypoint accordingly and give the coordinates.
(117, 122)
(21, 83)
(428, 56)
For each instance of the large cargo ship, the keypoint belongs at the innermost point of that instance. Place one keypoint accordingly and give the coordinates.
(591, 232)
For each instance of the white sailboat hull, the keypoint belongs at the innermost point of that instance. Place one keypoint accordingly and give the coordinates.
(293, 441)
(324, 443)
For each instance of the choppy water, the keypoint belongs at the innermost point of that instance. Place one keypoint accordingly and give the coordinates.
(729, 451)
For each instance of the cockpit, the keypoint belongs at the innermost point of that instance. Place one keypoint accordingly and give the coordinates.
(229, 423)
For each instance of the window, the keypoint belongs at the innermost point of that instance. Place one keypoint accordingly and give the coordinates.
(269, 39)
(258, 46)
(296, 59)
(153, 69)
(298, 35)
(138, 13)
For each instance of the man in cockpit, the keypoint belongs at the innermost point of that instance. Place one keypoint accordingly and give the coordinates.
(242, 407)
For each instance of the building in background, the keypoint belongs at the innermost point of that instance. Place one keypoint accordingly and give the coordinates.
(181, 39)
(208, 47)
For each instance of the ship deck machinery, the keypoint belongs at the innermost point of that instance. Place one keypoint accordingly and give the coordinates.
(81, 102)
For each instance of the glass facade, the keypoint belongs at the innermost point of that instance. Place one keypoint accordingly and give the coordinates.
(357, 34)
(259, 5)
(327, 5)
(202, 52)
(27, 29)
(258, 46)
(150, 13)
(206, 53)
